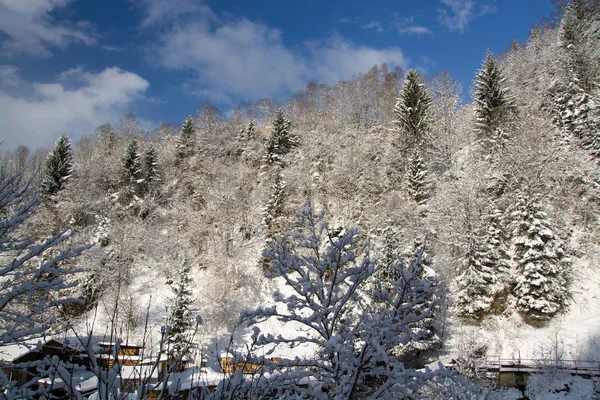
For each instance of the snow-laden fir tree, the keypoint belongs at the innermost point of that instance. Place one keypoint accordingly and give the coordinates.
(181, 321)
(494, 104)
(274, 207)
(352, 327)
(474, 292)
(247, 133)
(187, 139)
(540, 259)
(412, 112)
(416, 176)
(281, 141)
(132, 164)
(578, 114)
(150, 172)
(58, 167)
(495, 241)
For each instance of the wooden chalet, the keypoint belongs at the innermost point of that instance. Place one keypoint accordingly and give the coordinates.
(21, 365)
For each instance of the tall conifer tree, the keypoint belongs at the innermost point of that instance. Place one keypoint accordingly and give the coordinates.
(412, 110)
(281, 141)
(186, 142)
(493, 102)
(58, 167)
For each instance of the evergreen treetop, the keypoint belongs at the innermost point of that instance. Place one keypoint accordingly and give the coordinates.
(132, 163)
(58, 166)
(412, 109)
(281, 141)
(150, 166)
(181, 320)
(493, 102)
(185, 144)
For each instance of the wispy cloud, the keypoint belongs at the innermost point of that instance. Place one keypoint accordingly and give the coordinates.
(77, 102)
(31, 29)
(235, 58)
(373, 25)
(407, 26)
(114, 49)
(457, 14)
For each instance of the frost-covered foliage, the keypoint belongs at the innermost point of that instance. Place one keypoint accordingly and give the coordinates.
(541, 260)
(353, 331)
(33, 274)
(58, 167)
(281, 141)
(493, 102)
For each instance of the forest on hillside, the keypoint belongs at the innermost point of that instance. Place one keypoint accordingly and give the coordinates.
(437, 208)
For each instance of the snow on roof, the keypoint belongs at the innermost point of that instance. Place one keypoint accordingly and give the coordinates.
(194, 378)
(14, 351)
(85, 380)
(138, 371)
(122, 345)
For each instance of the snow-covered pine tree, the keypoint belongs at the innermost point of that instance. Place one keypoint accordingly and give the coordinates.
(274, 207)
(495, 242)
(417, 178)
(187, 139)
(247, 133)
(412, 112)
(474, 294)
(390, 252)
(181, 321)
(578, 114)
(541, 261)
(132, 164)
(150, 172)
(493, 102)
(58, 167)
(281, 141)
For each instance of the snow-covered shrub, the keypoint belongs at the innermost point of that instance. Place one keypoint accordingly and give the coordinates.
(352, 330)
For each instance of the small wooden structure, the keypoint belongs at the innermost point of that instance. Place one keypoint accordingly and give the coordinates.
(24, 367)
(511, 372)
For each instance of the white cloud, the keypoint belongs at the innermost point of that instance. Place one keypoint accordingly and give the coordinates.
(457, 14)
(407, 26)
(158, 12)
(35, 114)
(31, 29)
(237, 59)
(336, 59)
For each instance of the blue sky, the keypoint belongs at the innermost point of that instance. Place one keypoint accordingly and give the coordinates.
(67, 66)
